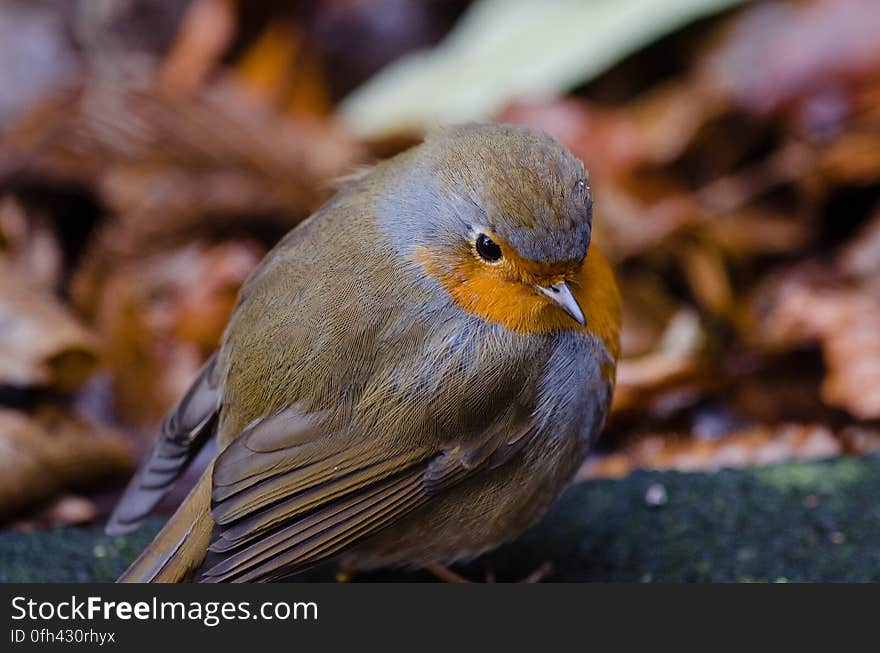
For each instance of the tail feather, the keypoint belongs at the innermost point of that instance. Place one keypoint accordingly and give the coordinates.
(180, 547)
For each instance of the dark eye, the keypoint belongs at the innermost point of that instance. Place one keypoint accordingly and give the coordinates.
(488, 249)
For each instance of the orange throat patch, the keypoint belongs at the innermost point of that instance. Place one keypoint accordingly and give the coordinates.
(481, 290)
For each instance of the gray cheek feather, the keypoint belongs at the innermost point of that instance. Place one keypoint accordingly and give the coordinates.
(573, 395)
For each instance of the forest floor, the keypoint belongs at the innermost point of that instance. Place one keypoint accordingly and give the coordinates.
(787, 522)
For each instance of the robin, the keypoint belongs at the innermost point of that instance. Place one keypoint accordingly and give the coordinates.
(410, 377)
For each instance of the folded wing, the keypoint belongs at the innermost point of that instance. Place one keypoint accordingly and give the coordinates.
(285, 497)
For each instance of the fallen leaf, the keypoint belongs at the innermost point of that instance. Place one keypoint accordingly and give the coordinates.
(861, 257)
(41, 342)
(674, 361)
(708, 278)
(853, 158)
(161, 315)
(52, 452)
(782, 52)
(204, 35)
(66, 510)
(760, 445)
(29, 248)
(167, 162)
(279, 68)
(813, 304)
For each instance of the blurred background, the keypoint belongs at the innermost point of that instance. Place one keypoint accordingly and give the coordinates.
(151, 151)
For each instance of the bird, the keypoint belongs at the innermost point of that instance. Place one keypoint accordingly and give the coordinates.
(409, 378)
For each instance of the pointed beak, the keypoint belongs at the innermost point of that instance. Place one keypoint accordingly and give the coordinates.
(561, 294)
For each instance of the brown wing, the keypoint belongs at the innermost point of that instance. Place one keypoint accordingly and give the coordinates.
(282, 502)
(184, 431)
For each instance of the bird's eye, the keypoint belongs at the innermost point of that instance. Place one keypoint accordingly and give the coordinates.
(488, 249)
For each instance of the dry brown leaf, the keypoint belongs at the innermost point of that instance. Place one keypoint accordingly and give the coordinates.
(780, 53)
(654, 129)
(51, 452)
(41, 342)
(760, 445)
(66, 510)
(790, 163)
(169, 161)
(813, 304)
(853, 158)
(861, 258)
(205, 33)
(674, 362)
(758, 231)
(706, 273)
(647, 309)
(161, 315)
(28, 246)
(280, 69)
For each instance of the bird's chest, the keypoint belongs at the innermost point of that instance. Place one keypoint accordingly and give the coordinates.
(574, 390)
(466, 375)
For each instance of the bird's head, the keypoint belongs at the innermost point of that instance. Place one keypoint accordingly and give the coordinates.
(501, 216)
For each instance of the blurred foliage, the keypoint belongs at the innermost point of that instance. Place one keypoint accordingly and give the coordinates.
(504, 49)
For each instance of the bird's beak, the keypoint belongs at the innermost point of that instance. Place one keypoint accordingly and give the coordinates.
(561, 294)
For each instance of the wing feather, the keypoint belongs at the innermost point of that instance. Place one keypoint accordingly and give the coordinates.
(320, 534)
(277, 510)
(184, 431)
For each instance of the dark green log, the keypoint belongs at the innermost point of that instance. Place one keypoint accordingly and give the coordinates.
(789, 522)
